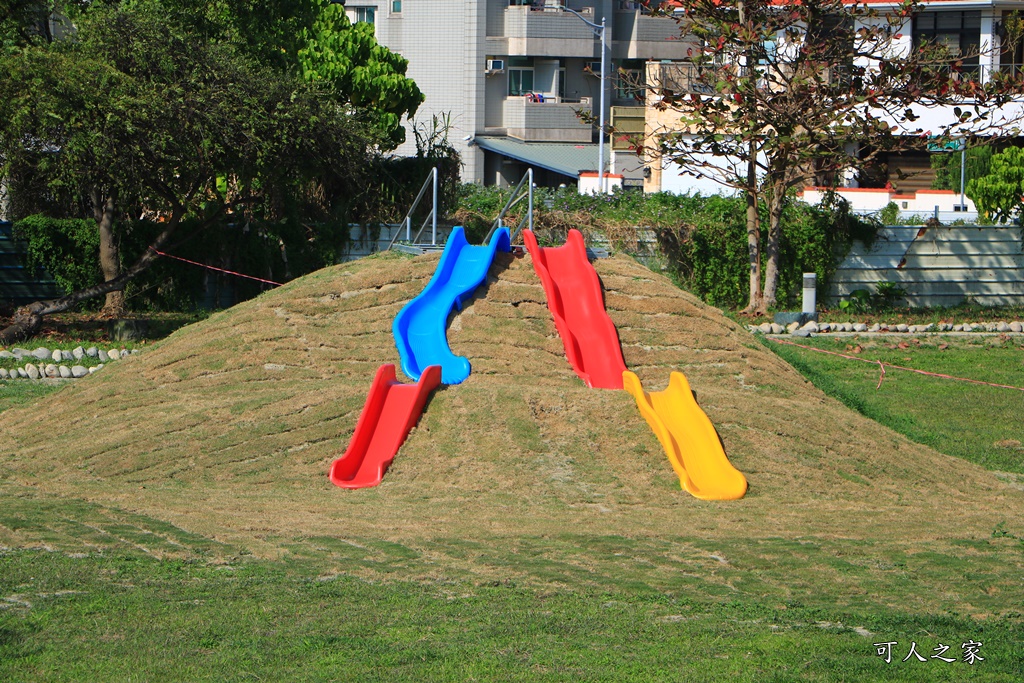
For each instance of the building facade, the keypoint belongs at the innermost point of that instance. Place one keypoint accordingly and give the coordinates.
(512, 77)
(980, 30)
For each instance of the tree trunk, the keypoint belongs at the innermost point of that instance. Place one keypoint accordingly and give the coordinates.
(110, 262)
(776, 200)
(753, 237)
(27, 319)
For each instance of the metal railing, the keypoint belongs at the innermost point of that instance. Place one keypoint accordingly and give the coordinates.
(431, 181)
(517, 196)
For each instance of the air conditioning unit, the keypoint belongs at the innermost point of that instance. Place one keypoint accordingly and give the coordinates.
(594, 68)
(495, 65)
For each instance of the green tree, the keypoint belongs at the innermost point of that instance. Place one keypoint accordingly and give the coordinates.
(139, 115)
(1000, 194)
(947, 167)
(348, 59)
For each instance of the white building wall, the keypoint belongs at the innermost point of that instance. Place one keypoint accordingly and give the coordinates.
(444, 41)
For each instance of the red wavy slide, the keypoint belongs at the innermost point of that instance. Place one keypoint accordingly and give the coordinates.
(576, 301)
(391, 411)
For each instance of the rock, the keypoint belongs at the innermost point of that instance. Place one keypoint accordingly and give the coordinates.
(6, 354)
(113, 354)
(56, 355)
(65, 355)
(1015, 326)
(51, 371)
(42, 353)
(93, 369)
(811, 326)
(77, 353)
(825, 327)
(860, 327)
(91, 352)
(967, 327)
(4, 374)
(135, 352)
(32, 371)
(22, 373)
(1002, 327)
(18, 352)
(765, 328)
(902, 328)
(103, 356)
(79, 371)
(801, 333)
(792, 326)
(777, 328)
(65, 371)
(875, 328)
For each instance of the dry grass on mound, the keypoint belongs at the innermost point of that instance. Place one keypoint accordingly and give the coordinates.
(227, 428)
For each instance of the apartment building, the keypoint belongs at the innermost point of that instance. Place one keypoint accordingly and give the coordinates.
(512, 75)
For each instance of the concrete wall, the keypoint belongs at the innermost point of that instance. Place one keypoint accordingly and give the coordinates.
(941, 266)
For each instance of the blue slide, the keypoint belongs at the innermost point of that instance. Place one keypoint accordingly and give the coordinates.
(420, 328)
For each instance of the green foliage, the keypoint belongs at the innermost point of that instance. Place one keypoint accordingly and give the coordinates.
(66, 248)
(158, 111)
(885, 297)
(947, 167)
(348, 60)
(704, 239)
(890, 214)
(1000, 194)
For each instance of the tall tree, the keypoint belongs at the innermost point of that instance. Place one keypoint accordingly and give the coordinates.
(140, 115)
(776, 94)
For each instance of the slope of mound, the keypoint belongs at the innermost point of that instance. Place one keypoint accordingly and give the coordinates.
(227, 428)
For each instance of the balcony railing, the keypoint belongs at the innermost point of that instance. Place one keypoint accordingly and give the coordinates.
(533, 118)
(683, 77)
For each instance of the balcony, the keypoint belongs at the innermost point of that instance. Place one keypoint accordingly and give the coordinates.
(547, 32)
(638, 35)
(553, 120)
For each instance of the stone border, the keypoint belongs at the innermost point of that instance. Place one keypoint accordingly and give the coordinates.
(795, 329)
(54, 371)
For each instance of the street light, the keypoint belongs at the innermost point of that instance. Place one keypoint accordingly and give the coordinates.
(598, 30)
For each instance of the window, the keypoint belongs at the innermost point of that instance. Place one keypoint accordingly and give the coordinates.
(396, 6)
(520, 75)
(959, 32)
(365, 14)
(630, 80)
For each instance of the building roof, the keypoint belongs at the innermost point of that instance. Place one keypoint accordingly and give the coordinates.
(566, 158)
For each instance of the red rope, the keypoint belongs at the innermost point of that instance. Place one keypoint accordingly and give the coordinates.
(220, 270)
(898, 367)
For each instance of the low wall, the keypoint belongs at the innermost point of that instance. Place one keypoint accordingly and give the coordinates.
(939, 266)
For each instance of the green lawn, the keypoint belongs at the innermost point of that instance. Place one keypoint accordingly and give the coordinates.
(123, 616)
(111, 595)
(979, 423)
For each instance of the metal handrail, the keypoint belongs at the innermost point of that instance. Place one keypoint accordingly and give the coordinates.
(407, 221)
(514, 199)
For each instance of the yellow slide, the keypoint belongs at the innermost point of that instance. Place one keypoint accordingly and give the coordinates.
(689, 439)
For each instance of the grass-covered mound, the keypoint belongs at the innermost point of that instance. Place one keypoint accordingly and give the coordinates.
(225, 431)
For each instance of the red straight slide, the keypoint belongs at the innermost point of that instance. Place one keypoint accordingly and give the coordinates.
(576, 300)
(391, 411)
